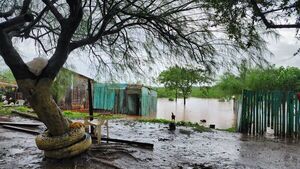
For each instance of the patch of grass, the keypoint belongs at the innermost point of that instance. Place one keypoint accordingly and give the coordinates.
(162, 121)
(80, 115)
(22, 109)
(196, 127)
(7, 110)
(231, 130)
(74, 115)
(201, 129)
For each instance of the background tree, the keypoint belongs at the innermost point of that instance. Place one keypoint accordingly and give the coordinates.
(61, 84)
(261, 79)
(170, 78)
(277, 14)
(182, 79)
(112, 31)
(7, 76)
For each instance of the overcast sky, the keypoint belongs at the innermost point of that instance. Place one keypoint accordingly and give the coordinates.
(283, 50)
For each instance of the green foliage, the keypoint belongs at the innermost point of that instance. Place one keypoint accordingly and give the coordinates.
(60, 85)
(257, 79)
(164, 92)
(7, 76)
(180, 79)
(231, 84)
(198, 92)
(207, 92)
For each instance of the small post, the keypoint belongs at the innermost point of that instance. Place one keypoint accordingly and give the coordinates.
(90, 103)
(107, 134)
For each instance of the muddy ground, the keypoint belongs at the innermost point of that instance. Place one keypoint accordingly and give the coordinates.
(183, 148)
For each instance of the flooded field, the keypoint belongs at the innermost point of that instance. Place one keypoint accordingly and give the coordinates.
(214, 112)
(181, 149)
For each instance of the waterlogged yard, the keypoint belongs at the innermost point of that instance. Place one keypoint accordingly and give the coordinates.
(183, 148)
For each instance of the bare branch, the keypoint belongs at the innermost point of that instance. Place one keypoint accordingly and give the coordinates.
(62, 49)
(19, 20)
(54, 11)
(25, 7)
(268, 23)
(8, 13)
(13, 59)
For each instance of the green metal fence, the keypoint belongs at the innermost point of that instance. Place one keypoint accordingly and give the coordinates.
(276, 109)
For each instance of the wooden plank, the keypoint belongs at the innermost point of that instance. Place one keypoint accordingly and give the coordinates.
(20, 124)
(145, 145)
(298, 117)
(32, 116)
(21, 129)
(256, 113)
(241, 124)
(269, 109)
(265, 111)
(250, 113)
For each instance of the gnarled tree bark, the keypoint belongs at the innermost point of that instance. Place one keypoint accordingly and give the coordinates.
(39, 96)
(36, 88)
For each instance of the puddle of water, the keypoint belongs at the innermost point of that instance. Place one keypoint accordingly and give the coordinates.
(197, 109)
(16, 150)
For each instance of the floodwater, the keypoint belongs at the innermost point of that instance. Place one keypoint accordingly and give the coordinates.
(181, 149)
(212, 110)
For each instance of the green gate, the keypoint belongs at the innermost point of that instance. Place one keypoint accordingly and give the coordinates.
(276, 109)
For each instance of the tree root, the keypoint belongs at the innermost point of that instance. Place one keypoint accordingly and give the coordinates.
(105, 162)
(106, 153)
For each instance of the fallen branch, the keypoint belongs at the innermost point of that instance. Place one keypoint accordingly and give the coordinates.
(105, 162)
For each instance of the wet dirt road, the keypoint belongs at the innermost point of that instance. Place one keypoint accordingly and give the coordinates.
(183, 148)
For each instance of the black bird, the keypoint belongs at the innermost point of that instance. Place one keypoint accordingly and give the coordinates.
(203, 121)
(173, 116)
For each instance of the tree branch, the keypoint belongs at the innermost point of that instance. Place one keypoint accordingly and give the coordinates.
(25, 7)
(13, 59)
(279, 9)
(8, 13)
(63, 44)
(54, 11)
(19, 20)
(267, 23)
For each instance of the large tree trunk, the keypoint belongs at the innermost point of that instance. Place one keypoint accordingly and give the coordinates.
(37, 92)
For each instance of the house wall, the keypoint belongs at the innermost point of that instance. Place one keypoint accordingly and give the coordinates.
(76, 97)
(126, 99)
(148, 101)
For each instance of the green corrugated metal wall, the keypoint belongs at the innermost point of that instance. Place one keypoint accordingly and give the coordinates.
(120, 98)
(104, 95)
(148, 101)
